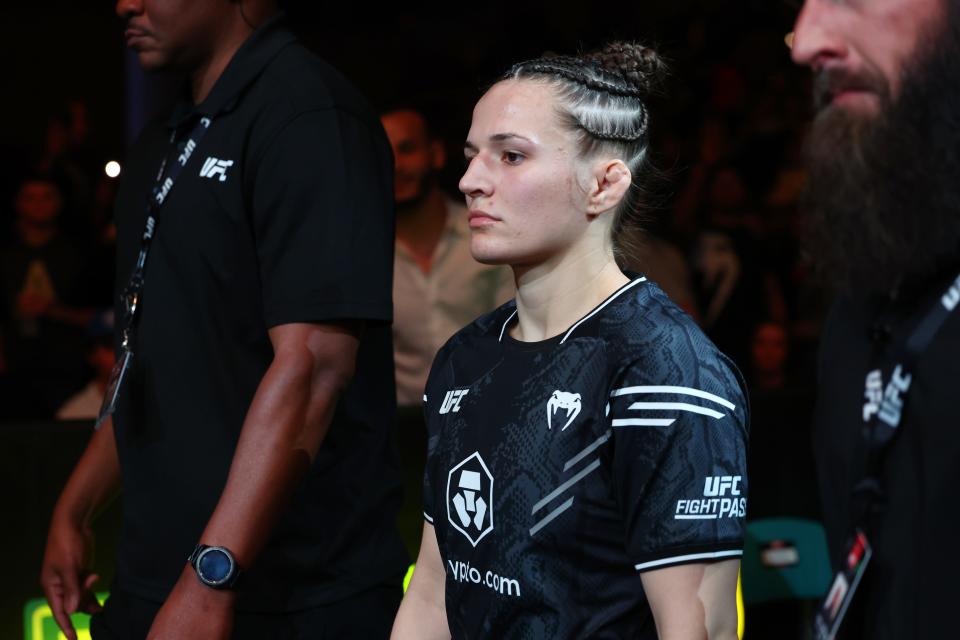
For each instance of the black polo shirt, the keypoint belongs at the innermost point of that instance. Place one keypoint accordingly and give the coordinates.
(283, 214)
(909, 589)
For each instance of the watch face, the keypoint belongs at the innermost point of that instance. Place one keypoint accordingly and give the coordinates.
(214, 566)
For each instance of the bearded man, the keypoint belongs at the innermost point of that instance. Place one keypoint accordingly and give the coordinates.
(883, 204)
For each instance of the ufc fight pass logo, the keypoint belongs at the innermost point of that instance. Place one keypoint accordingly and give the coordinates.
(721, 499)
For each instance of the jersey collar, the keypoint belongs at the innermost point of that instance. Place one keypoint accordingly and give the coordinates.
(635, 279)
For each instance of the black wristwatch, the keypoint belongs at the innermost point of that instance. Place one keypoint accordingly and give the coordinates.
(215, 566)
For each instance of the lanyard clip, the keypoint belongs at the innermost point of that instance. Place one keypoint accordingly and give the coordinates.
(133, 301)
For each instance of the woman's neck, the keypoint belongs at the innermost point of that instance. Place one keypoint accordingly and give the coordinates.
(553, 296)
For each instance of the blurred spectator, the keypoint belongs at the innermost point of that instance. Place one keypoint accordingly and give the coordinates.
(769, 351)
(85, 405)
(41, 292)
(438, 287)
(69, 158)
(734, 287)
(101, 243)
(781, 453)
(662, 262)
(729, 292)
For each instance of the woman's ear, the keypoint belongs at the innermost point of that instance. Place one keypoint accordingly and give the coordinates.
(609, 184)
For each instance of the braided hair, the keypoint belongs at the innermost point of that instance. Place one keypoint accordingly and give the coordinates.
(603, 101)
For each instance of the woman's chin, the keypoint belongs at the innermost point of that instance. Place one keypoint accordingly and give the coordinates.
(486, 251)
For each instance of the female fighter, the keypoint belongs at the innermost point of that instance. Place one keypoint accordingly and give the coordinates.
(586, 453)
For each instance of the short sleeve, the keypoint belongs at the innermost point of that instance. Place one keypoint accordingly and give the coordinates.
(679, 436)
(323, 220)
(432, 438)
(438, 381)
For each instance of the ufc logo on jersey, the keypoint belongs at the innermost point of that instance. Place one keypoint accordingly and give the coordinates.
(451, 401)
(718, 486)
(213, 167)
(713, 505)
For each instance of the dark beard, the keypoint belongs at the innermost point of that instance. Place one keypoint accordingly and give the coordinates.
(883, 199)
(427, 183)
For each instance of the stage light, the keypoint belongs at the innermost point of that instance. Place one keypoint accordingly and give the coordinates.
(112, 169)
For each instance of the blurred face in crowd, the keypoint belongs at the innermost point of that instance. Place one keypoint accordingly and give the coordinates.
(38, 202)
(769, 348)
(172, 33)
(881, 197)
(417, 158)
(102, 359)
(525, 184)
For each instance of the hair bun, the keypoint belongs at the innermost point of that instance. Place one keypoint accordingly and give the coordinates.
(640, 66)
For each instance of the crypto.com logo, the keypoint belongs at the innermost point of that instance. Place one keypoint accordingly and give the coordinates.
(470, 498)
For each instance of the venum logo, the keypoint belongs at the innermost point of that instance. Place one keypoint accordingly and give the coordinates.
(721, 499)
(570, 402)
(470, 498)
(451, 401)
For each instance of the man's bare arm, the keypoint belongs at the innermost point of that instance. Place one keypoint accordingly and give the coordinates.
(64, 574)
(284, 427)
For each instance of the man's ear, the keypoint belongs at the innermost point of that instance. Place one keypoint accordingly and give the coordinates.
(609, 183)
(438, 154)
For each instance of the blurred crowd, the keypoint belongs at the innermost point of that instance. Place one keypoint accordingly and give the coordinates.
(56, 276)
(723, 239)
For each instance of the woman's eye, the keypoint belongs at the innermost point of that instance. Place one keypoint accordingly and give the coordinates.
(512, 157)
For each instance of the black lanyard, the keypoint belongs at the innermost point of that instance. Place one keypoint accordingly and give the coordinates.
(133, 293)
(884, 424)
(883, 414)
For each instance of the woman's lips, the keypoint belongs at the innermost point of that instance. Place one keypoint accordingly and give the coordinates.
(478, 219)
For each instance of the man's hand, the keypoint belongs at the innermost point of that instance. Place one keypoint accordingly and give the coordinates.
(194, 610)
(66, 581)
(64, 576)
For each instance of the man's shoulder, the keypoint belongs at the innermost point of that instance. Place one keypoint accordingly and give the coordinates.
(300, 99)
(298, 81)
